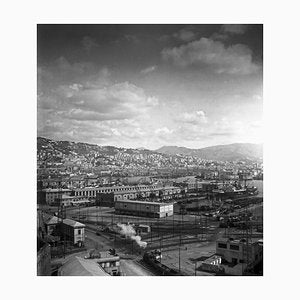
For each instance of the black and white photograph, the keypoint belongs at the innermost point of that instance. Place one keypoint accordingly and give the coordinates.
(150, 149)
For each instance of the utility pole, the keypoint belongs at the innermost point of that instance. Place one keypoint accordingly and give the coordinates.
(179, 267)
(173, 224)
(160, 250)
(179, 256)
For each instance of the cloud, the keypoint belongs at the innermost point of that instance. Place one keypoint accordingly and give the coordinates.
(163, 131)
(212, 55)
(234, 28)
(89, 43)
(195, 118)
(149, 69)
(80, 102)
(185, 35)
(118, 101)
(62, 71)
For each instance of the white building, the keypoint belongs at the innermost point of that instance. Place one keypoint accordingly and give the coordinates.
(144, 208)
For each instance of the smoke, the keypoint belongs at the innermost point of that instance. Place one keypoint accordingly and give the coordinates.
(126, 230)
(139, 241)
(129, 231)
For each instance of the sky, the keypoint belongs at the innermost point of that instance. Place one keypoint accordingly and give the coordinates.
(150, 86)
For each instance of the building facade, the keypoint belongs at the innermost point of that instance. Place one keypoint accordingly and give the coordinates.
(238, 255)
(131, 192)
(71, 230)
(53, 196)
(144, 208)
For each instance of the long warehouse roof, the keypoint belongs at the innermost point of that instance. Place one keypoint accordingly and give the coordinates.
(144, 202)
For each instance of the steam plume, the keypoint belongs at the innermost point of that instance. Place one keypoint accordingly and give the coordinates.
(129, 231)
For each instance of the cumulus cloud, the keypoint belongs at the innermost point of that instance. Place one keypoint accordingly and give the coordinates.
(90, 107)
(118, 101)
(196, 117)
(149, 69)
(89, 43)
(234, 28)
(212, 55)
(163, 131)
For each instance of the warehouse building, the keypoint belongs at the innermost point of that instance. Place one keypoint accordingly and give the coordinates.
(134, 191)
(143, 208)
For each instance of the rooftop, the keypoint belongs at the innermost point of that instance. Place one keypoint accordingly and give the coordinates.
(144, 202)
(49, 219)
(238, 241)
(78, 266)
(56, 190)
(73, 223)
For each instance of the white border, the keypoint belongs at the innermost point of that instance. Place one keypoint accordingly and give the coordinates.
(281, 50)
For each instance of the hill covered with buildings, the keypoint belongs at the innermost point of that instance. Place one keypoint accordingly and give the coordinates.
(60, 157)
(231, 152)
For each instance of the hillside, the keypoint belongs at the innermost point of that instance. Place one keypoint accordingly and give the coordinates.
(231, 152)
(52, 153)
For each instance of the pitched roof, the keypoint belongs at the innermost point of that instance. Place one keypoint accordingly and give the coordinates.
(49, 219)
(73, 223)
(78, 266)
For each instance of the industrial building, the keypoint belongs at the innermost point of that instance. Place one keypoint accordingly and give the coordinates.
(109, 261)
(144, 208)
(109, 195)
(131, 191)
(239, 255)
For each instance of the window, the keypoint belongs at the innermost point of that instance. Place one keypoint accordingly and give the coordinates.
(221, 245)
(235, 247)
(79, 231)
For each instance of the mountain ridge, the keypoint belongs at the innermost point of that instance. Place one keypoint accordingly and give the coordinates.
(228, 152)
(234, 151)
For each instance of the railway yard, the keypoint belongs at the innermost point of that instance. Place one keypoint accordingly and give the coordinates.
(182, 239)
